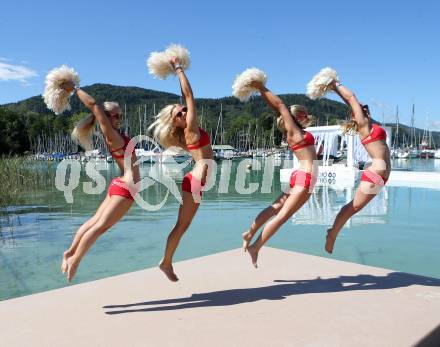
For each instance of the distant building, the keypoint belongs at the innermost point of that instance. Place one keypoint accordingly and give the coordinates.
(224, 151)
(223, 148)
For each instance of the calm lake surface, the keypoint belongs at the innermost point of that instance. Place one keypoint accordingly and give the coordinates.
(399, 230)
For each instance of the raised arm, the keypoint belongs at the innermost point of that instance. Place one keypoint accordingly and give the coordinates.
(350, 99)
(98, 111)
(187, 93)
(294, 133)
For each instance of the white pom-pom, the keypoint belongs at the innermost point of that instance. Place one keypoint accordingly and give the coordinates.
(159, 65)
(241, 88)
(180, 52)
(55, 97)
(159, 62)
(320, 83)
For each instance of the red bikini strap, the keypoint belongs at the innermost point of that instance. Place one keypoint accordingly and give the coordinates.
(126, 141)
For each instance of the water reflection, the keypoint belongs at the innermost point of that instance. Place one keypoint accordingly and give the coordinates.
(325, 203)
(416, 164)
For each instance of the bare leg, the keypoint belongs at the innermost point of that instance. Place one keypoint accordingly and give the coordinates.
(293, 203)
(116, 208)
(262, 218)
(186, 213)
(360, 200)
(81, 231)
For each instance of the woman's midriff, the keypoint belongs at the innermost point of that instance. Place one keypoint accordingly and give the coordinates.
(202, 153)
(129, 175)
(380, 157)
(200, 169)
(307, 158)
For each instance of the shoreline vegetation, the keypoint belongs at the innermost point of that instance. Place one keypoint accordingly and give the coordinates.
(18, 175)
(19, 180)
(28, 126)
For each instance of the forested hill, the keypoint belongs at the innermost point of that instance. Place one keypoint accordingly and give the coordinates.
(101, 92)
(22, 122)
(133, 97)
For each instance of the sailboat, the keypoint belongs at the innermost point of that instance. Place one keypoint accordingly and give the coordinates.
(403, 153)
(395, 147)
(222, 152)
(410, 151)
(426, 144)
(414, 152)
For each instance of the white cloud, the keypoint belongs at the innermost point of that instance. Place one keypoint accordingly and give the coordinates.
(9, 72)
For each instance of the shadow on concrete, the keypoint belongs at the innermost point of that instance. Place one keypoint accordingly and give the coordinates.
(430, 340)
(279, 291)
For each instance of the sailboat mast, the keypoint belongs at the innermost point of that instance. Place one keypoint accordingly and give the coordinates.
(412, 126)
(221, 123)
(218, 123)
(140, 121)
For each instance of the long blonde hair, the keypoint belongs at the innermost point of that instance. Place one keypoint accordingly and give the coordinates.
(350, 126)
(163, 130)
(85, 128)
(294, 111)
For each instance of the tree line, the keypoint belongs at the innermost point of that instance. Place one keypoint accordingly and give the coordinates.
(23, 122)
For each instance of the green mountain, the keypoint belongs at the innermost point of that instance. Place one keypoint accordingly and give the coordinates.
(23, 123)
(101, 92)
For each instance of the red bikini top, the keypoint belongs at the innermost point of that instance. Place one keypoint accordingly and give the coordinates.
(123, 148)
(377, 133)
(307, 141)
(203, 141)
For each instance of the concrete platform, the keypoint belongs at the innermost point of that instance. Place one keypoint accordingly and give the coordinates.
(292, 299)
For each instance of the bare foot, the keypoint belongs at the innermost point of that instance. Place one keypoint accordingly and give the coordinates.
(168, 271)
(66, 255)
(247, 237)
(329, 242)
(72, 266)
(254, 255)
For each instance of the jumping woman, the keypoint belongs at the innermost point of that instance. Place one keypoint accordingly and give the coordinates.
(291, 122)
(119, 197)
(374, 177)
(176, 125)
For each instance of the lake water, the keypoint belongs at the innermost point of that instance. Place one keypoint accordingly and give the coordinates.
(399, 230)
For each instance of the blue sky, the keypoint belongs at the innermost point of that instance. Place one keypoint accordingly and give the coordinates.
(387, 52)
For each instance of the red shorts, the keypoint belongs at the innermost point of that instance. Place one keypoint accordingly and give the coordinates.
(373, 177)
(120, 188)
(192, 185)
(303, 179)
